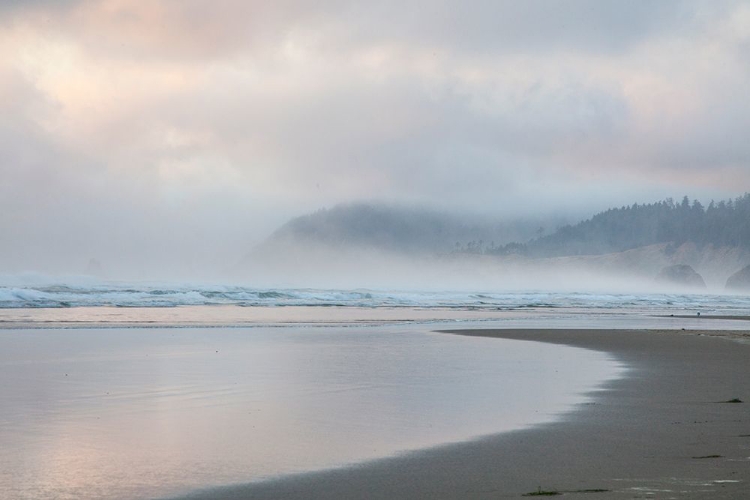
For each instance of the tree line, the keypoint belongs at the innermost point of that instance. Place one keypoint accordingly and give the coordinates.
(726, 223)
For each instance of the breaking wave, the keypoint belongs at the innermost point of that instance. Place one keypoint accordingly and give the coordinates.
(56, 295)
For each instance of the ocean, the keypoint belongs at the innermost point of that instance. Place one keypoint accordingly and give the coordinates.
(28, 293)
(36, 302)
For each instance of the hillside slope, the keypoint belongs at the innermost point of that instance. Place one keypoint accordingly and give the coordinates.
(723, 224)
(399, 229)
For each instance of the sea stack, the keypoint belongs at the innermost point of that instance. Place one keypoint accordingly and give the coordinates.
(739, 281)
(681, 274)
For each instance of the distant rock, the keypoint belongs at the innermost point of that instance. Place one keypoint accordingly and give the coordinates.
(739, 280)
(681, 274)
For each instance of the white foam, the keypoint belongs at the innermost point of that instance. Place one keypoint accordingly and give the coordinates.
(37, 291)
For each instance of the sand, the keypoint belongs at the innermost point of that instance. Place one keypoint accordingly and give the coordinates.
(662, 431)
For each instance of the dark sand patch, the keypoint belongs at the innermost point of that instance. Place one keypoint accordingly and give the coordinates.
(640, 439)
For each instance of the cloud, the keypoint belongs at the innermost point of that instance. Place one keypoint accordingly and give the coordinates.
(193, 29)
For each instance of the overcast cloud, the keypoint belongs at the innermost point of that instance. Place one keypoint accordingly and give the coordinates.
(171, 135)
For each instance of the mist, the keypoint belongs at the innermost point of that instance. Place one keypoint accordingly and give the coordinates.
(171, 141)
(304, 264)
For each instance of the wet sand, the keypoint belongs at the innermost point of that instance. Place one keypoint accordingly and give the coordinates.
(663, 431)
(706, 316)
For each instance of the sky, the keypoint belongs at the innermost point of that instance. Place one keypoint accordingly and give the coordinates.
(167, 137)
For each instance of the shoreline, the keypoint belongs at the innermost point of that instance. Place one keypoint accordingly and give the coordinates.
(662, 431)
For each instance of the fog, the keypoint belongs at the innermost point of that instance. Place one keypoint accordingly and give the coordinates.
(304, 263)
(169, 140)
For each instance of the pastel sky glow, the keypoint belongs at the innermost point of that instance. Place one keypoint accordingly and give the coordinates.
(173, 134)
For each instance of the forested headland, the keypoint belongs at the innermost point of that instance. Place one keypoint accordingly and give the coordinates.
(722, 224)
(633, 242)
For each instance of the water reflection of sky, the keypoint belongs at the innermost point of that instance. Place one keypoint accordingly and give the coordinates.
(123, 413)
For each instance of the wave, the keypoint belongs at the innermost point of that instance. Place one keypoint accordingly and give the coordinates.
(64, 295)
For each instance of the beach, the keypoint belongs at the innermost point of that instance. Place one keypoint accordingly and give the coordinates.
(665, 430)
